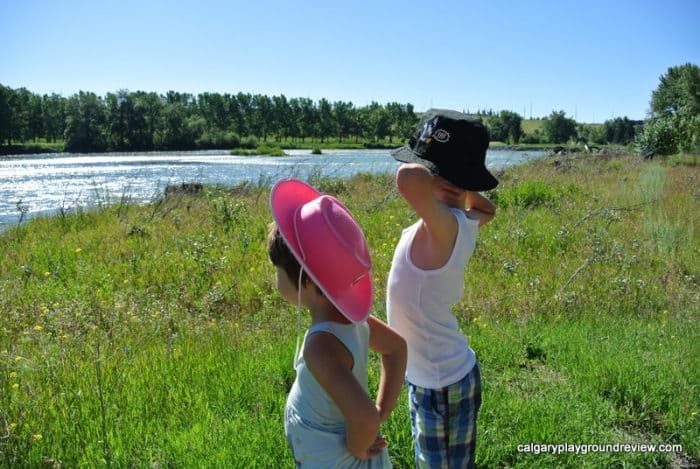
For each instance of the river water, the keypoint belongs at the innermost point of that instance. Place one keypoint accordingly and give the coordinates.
(44, 184)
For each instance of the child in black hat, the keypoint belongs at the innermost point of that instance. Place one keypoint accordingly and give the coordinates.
(444, 167)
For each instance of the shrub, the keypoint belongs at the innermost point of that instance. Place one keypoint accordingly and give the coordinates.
(535, 137)
(218, 139)
(272, 151)
(250, 142)
(658, 137)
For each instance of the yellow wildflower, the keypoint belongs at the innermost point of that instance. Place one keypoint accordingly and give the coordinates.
(38, 328)
(12, 426)
(77, 250)
(37, 437)
(44, 309)
(15, 386)
(46, 274)
(13, 374)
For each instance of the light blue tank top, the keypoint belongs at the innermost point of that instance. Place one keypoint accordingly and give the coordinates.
(314, 425)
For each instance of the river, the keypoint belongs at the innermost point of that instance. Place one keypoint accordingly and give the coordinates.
(44, 184)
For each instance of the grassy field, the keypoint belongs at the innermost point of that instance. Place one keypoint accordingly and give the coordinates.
(153, 336)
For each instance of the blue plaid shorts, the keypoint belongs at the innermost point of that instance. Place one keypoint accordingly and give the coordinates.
(443, 422)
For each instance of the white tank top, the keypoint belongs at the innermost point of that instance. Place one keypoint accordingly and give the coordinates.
(419, 306)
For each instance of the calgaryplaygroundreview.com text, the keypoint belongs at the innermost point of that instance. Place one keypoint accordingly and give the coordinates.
(561, 448)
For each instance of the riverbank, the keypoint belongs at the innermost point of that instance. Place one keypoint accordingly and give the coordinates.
(154, 335)
(44, 148)
(40, 147)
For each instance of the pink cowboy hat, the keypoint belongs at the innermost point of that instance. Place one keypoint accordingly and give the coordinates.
(328, 243)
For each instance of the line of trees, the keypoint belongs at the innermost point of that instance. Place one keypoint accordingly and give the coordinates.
(506, 126)
(142, 121)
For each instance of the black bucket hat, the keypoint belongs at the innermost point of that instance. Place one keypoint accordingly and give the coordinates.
(452, 145)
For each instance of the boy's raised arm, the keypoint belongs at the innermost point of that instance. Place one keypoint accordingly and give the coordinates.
(415, 183)
(478, 206)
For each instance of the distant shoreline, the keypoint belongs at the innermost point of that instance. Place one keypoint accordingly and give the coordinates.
(14, 151)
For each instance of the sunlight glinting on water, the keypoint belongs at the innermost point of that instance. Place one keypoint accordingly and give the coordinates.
(45, 184)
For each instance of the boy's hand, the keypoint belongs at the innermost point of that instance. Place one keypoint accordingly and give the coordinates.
(376, 449)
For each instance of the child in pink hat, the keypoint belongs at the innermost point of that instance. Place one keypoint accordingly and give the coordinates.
(323, 264)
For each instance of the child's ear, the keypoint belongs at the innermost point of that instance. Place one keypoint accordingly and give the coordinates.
(307, 282)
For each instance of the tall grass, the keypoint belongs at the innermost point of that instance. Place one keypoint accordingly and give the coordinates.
(154, 336)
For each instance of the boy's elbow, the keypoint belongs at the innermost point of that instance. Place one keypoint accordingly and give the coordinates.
(402, 178)
(401, 347)
(411, 175)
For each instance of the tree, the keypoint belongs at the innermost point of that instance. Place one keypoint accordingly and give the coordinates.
(558, 128)
(679, 88)
(506, 127)
(342, 113)
(294, 118)
(261, 118)
(674, 123)
(35, 117)
(308, 122)
(85, 123)
(150, 106)
(327, 125)
(20, 112)
(54, 116)
(620, 130)
(212, 107)
(5, 114)
(282, 117)
(242, 113)
(408, 123)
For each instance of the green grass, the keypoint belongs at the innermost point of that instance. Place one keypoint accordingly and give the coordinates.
(38, 146)
(684, 159)
(154, 335)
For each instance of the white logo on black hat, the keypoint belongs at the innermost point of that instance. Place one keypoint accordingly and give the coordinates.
(441, 135)
(429, 132)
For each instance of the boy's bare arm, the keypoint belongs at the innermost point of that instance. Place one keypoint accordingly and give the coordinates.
(392, 348)
(416, 184)
(480, 207)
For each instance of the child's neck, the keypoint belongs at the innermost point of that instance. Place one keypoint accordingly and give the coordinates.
(325, 313)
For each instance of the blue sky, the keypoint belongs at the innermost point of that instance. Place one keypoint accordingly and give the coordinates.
(595, 60)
